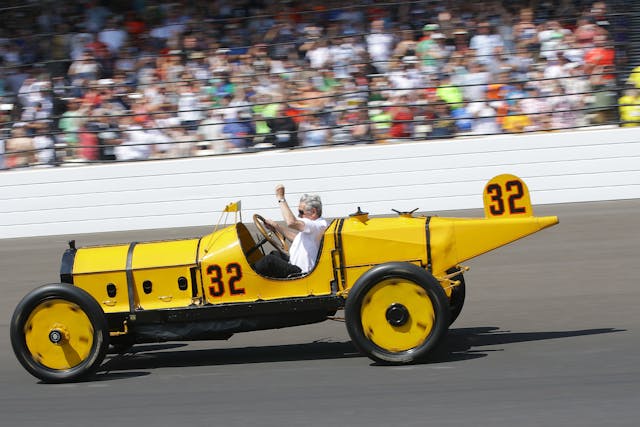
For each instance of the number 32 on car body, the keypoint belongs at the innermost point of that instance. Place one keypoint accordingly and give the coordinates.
(506, 195)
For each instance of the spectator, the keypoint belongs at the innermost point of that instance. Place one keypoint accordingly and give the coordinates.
(241, 132)
(630, 107)
(108, 133)
(35, 117)
(211, 133)
(70, 123)
(189, 107)
(516, 120)
(379, 45)
(20, 150)
(177, 142)
(535, 106)
(353, 127)
(113, 36)
(474, 81)
(169, 69)
(463, 118)
(448, 92)
(551, 39)
(401, 118)
(44, 143)
(381, 121)
(407, 47)
(634, 77)
(283, 129)
(88, 142)
(60, 50)
(525, 32)
(442, 124)
(586, 32)
(135, 144)
(314, 133)
(428, 50)
(601, 57)
(486, 44)
(563, 109)
(604, 98)
(344, 53)
(82, 71)
(484, 122)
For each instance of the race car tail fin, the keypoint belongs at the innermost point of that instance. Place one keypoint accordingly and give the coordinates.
(508, 217)
(506, 196)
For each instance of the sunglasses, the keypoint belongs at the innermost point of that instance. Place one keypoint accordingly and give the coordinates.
(300, 212)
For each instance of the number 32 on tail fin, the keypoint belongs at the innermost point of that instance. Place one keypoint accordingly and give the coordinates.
(506, 195)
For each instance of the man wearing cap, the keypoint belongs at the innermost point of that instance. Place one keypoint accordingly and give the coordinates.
(426, 48)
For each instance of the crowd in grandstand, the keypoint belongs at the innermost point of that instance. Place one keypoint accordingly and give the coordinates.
(99, 81)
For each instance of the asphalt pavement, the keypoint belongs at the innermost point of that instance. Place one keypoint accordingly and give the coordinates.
(549, 336)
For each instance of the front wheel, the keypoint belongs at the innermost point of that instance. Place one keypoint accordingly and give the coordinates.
(59, 333)
(396, 313)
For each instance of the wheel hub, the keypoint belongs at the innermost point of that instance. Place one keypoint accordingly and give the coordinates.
(57, 335)
(397, 314)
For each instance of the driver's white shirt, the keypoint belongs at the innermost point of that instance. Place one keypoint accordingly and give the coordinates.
(305, 246)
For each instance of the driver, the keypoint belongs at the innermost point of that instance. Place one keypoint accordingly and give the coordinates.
(305, 232)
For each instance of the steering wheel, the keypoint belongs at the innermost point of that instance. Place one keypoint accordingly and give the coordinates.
(279, 242)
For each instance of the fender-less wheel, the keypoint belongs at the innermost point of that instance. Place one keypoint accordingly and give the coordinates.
(59, 333)
(396, 313)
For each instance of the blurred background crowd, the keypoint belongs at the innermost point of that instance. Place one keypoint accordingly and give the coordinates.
(98, 81)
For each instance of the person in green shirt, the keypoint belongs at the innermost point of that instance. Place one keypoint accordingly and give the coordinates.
(70, 123)
(448, 92)
(425, 47)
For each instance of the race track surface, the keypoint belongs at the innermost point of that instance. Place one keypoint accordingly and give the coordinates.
(549, 336)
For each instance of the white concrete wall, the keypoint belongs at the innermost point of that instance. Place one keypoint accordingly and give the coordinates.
(586, 165)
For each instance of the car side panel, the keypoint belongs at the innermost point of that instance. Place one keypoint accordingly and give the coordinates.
(96, 268)
(161, 273)
(228, 277)
(368, 242)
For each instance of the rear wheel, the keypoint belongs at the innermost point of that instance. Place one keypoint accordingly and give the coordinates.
(458, 294)
(59, 333)
(396, 313)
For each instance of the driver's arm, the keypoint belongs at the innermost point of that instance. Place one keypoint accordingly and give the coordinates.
(294, 225)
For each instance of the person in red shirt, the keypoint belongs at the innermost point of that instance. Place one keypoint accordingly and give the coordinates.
(402, 119)
(601, 57)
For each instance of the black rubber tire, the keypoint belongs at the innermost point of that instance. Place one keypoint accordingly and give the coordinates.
(458, 294)
(91, 309)
(408, 272)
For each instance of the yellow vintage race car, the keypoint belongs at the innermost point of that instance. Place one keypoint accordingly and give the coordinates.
(398, 279)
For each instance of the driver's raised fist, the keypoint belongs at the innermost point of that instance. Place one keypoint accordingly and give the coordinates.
(280, 191)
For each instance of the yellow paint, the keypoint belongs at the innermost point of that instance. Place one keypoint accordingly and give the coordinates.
(397, 338)
(100, 259)
(96, 285)
(165, 292)
(162, 264)
(67, 318)
(380, 240)
(221, 264)
(506, 195)
(454, 240)
(163, 254)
